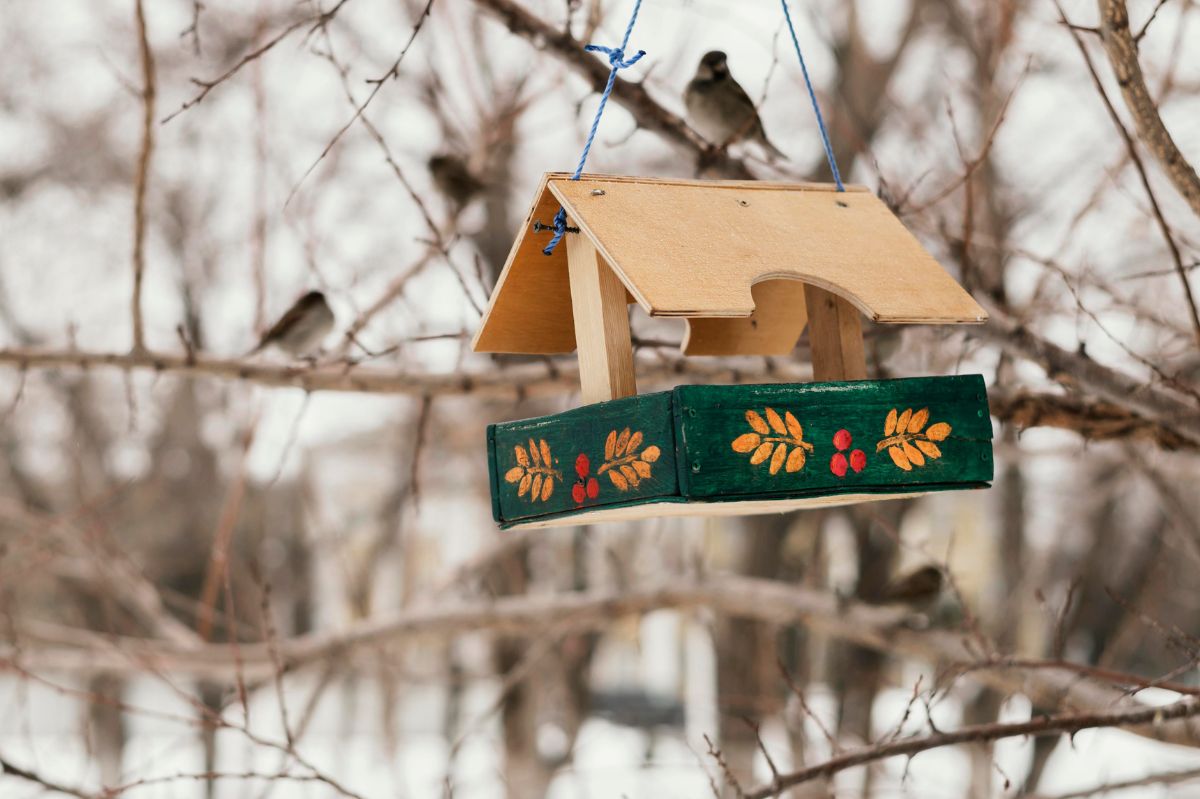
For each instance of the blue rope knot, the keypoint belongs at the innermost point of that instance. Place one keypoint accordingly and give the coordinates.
(560, 230)
(616, 60)
(616, 55)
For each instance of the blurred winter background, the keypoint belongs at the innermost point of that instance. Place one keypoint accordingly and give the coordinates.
(214, 582)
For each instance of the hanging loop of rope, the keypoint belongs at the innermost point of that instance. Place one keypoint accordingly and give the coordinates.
(812, 95)
(617, 61)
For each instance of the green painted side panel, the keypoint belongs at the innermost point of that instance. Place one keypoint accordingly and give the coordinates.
(785, 440)
(493, 478)
(640, 465)
(686, 450)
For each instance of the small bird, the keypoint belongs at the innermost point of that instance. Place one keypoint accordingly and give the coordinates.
(300, 331)
(719, 109)
(918, 590)
(454, 179)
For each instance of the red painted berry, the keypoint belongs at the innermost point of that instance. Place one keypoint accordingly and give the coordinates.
(842, 439)
(582, 466)
(577, 493)
(858, 460)
(837, 464)
(593, 488)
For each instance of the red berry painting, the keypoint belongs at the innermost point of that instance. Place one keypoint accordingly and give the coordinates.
(839, 464)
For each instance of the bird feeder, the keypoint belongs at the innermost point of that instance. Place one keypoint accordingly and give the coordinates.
(748, 264)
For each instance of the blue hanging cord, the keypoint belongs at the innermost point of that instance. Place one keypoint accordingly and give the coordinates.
(812, 95)
(618, 61)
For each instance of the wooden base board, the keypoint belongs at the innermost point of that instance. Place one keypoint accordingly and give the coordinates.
(747, 507)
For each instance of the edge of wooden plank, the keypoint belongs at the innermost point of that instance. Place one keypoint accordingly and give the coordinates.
(751, 185)
(725, 506)
(493, 474)
(509, 262)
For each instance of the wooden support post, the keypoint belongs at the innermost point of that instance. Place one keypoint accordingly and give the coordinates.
(598, 303)
(835, 331)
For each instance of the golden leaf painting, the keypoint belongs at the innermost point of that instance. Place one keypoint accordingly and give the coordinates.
(534, 473)
(625, 462)
(777, 439)
(908, 442)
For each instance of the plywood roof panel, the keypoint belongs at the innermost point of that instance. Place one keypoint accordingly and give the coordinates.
(695, 249)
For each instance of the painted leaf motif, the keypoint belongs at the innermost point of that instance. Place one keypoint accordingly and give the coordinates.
(513, 474)
(889, 427)
(642, 468)
(534, 453)
(522, 457)
(650, 454)
(536, 491)
(618, 479)
(899, 459)
(902, 422)
(635, 441)
(546, 459)
(757, 423)
(762, 453)
(524, 487)
(795, 461)
(793, 425)
(929, 448)
(622, 443)
(743, 443)
(547, 488)
(775, 422)
(918, 420)
(913, 454)
(777, 458)
(938, 432)
(610, 446)
(631, 475)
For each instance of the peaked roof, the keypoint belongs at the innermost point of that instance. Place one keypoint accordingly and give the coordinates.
(696, 249)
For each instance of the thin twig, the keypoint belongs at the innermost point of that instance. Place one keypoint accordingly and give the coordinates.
(317, 22)
(142, 176)
(1044, 725)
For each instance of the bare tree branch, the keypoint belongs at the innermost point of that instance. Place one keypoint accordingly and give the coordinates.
(1136, 158)
(1095, 421)
(1131, 410)
(1089, 376)
(142, 178)
(46, 646)
(649, 114)
(1122, 49)
(1045, 725)
(12, 770)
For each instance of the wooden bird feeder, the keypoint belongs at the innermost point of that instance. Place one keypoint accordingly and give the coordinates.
(748, 264)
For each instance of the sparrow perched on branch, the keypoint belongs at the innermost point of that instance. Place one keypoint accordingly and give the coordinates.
(454, 179)
(302, 328)
(918, 590)
(719, 109)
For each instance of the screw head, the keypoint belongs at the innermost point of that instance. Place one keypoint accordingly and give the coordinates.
(744, 203)
(695, 466)
(692, 412)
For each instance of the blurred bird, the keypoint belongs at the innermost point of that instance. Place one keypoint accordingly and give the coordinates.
(454, 179)
(300, 331)
(919, 590)
(719, 109)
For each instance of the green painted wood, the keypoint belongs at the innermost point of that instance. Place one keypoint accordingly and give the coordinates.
(693, 430)
(638, 465)
(832, 438)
